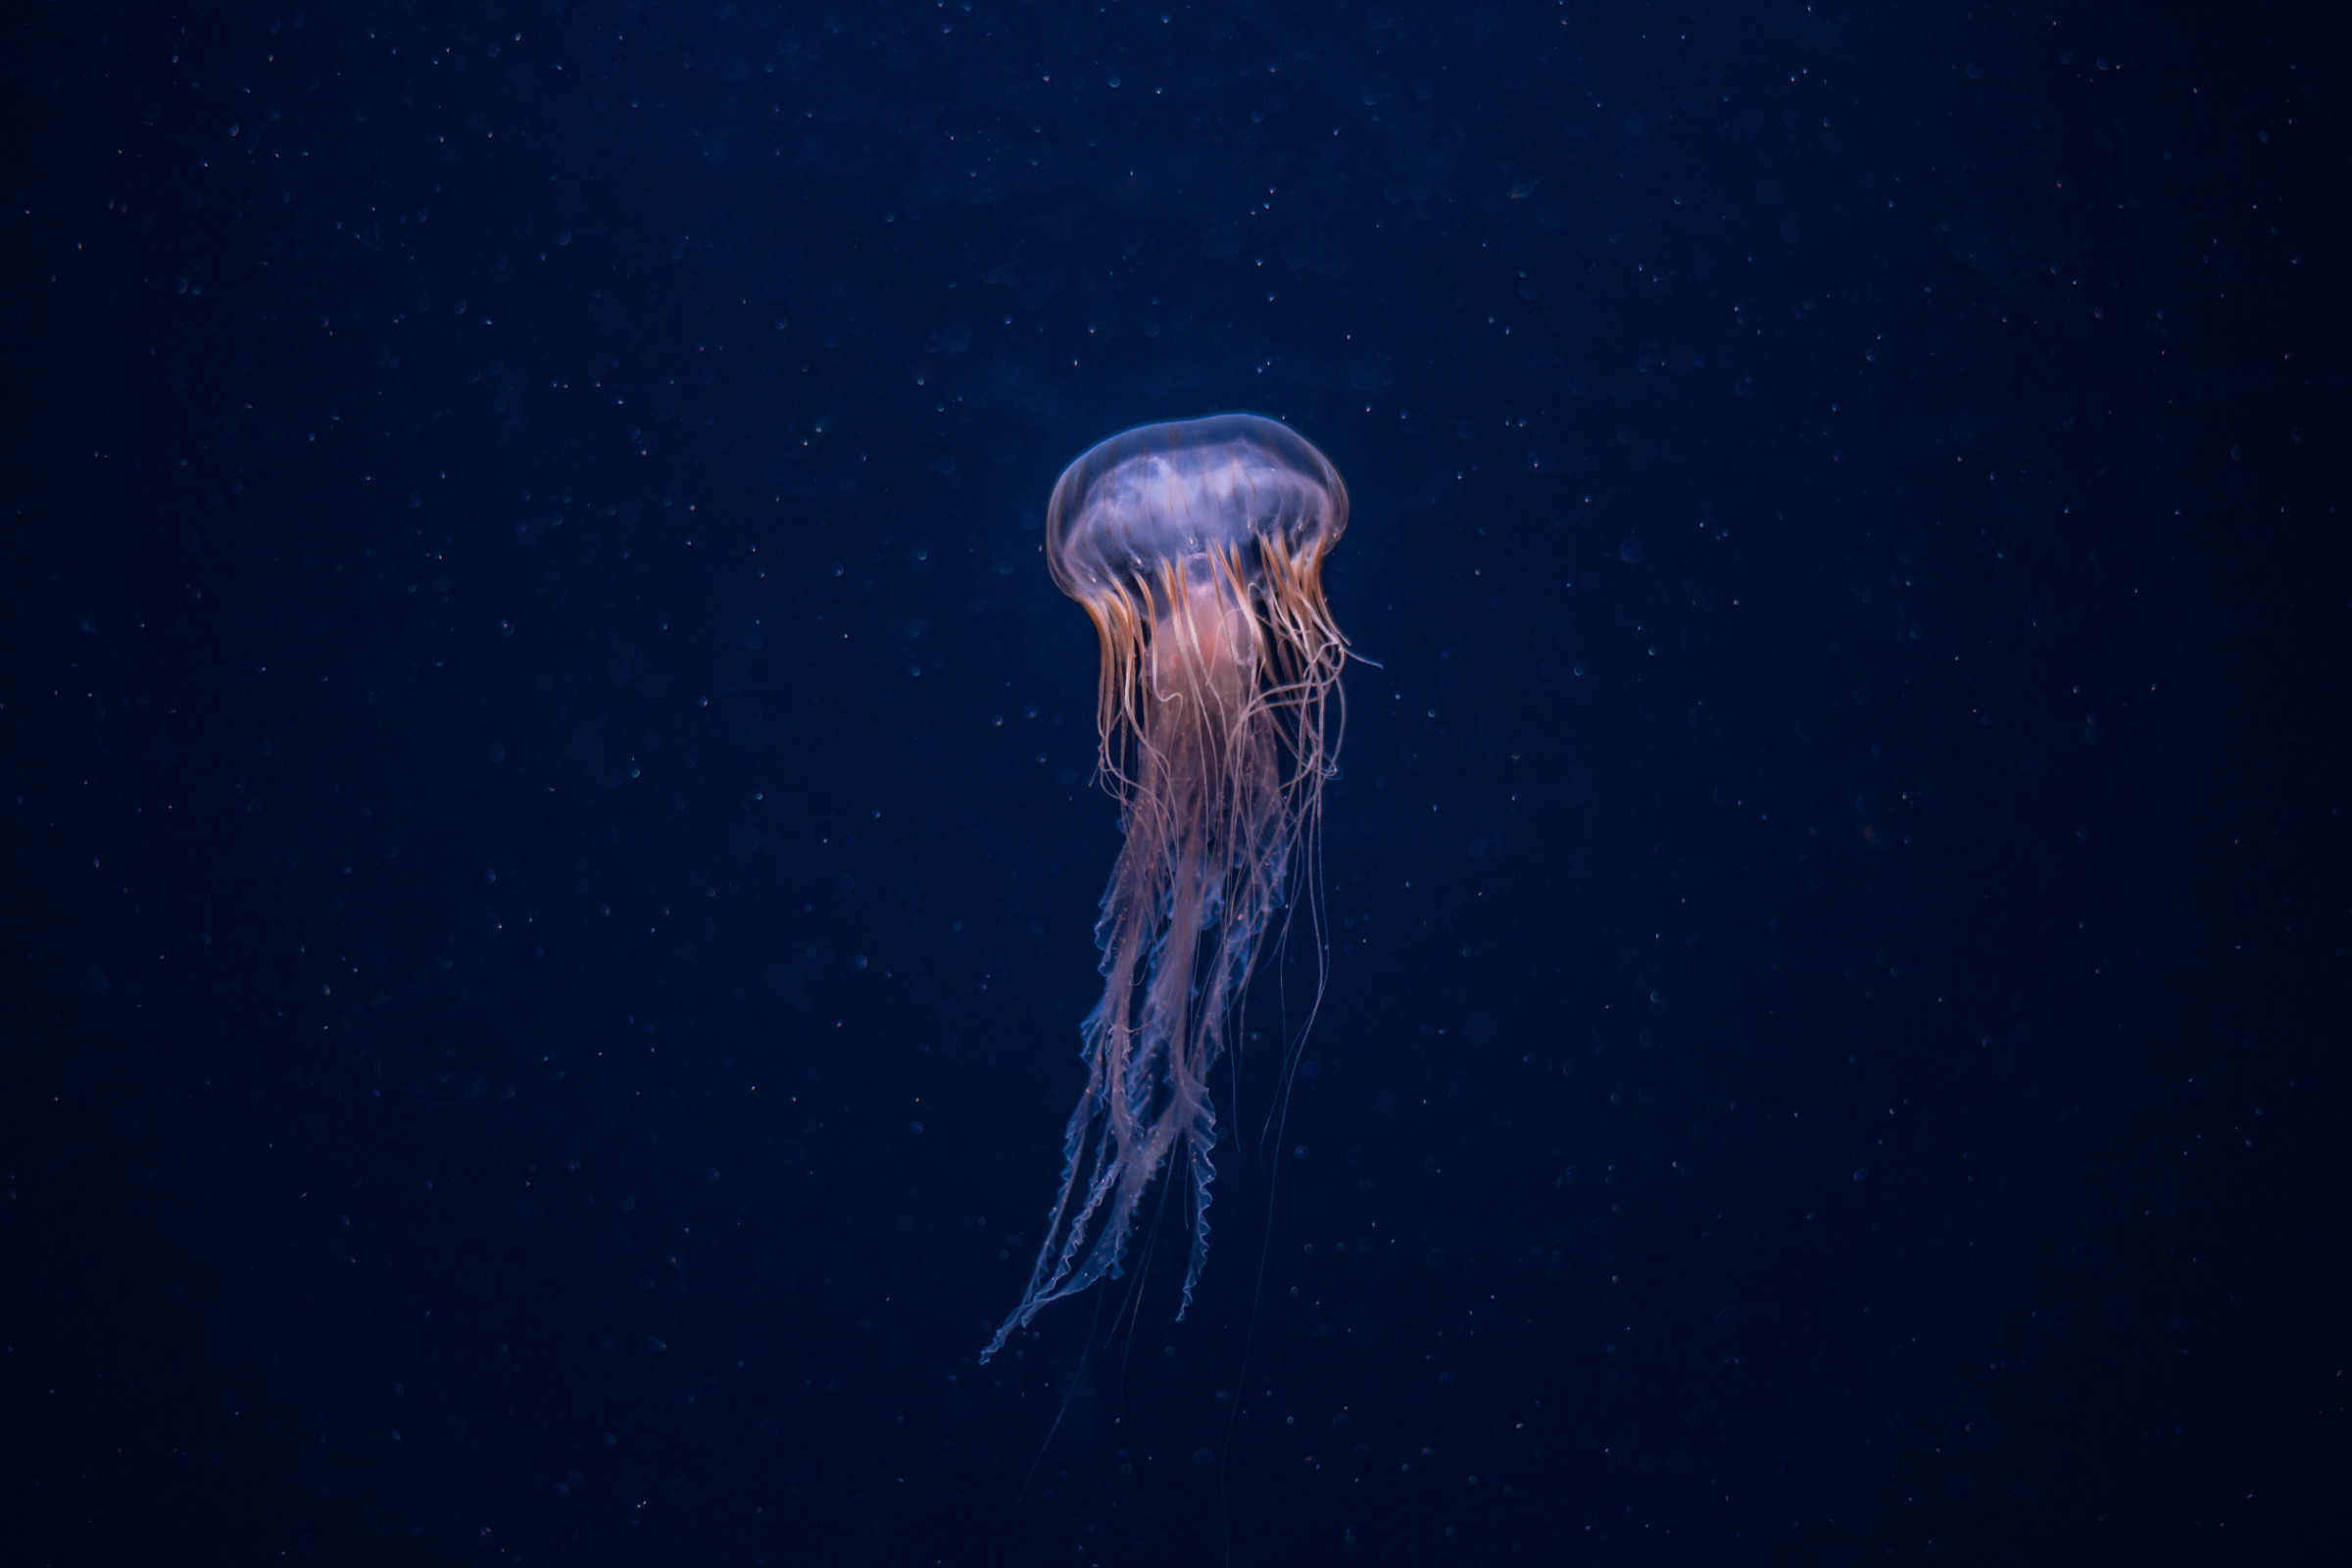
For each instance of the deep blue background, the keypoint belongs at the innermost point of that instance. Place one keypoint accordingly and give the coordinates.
(548, 850)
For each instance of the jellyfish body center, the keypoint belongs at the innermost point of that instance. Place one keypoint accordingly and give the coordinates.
(1204, 645)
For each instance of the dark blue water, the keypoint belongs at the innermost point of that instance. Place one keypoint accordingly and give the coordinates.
(550, 856)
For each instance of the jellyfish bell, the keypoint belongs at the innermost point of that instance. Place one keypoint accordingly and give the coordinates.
(1162, 493)
(1197, 548)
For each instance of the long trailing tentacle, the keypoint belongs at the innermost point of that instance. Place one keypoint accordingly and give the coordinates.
(1217, 755)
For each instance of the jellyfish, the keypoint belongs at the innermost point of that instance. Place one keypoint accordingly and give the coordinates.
(1197, 547)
